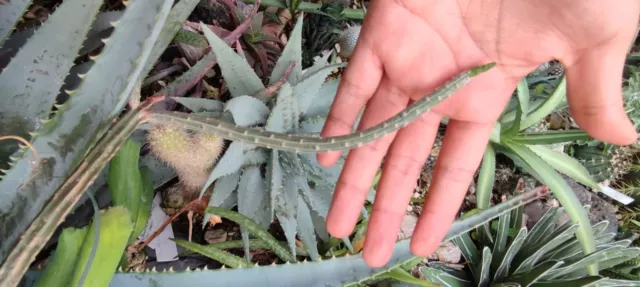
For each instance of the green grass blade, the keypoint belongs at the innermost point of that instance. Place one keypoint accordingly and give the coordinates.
(564, 194)
(214, 253)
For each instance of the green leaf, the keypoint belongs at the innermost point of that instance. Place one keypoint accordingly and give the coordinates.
(251, 193)
(286, 202)
(484, 187)
(444, 278)
(582, 282)
(536, 273)
(500, 243)
(216, 254)
(565, 164)
(10, 14)
(32, 79)
(292, 52)
(545, 225)
(125, 179)
(585, 261)
(198, 105)
(404, 276)
(306, 230)
(238, 75)
(174, 22)
(247, 110)
(549, 105)
(484, 268)
(523, 97)
(528, 264)
(563, 193)
(82, 119)
(63, 261)
(550, 137)
(514, 248)
(255, 229)
(274, 180)
(469, 252)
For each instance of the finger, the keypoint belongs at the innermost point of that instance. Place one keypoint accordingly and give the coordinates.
(357, 85)
(462, 150)
(363, 162)
(594, 94)
(402, 167)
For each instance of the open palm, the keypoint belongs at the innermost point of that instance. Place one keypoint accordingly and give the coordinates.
(408, 48)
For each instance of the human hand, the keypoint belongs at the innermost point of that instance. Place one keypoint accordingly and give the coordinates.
(407, 48)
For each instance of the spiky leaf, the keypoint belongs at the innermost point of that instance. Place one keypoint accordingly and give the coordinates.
(292, 52)
(224, 187)
(514, 248)
(32, 79)
(214, 253)
(306, 229)
(198, 105)
(10, 14)
(84, 117)
(238, 75)
(231, 161)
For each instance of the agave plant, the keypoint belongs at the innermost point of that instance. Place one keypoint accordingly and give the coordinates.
(60, 136)
(548, 254)
(301, 201)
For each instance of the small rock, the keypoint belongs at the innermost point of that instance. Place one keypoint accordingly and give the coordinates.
(409, 208)
(446, 253)
(215, 236)
(408, 225)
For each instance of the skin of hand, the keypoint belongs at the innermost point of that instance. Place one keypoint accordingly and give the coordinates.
(407, 48)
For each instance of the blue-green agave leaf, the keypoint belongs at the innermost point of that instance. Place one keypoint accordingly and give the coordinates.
(232, 160)
(530, 262)
(306, 229)
(273, 178)
(10, 13)
(32, 79)
(238, 75)
(251, 192)
(284, 116)
(292, 52)
(81, 120)
(286, 202)
(536, 273)
(321, 103)
(172, 24)
(198, 105)
(224, 187)
(247, 110)
(307, 89)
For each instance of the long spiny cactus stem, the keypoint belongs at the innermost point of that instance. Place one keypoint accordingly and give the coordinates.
(297, 143)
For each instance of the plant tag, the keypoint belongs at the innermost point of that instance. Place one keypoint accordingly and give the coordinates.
(166, 249)
(616, 195)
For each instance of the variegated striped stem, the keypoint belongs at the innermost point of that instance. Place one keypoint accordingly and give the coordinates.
(297, 143)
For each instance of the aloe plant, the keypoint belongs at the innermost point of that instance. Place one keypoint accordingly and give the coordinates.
(547, 254)
(350, 270)
(533, 153)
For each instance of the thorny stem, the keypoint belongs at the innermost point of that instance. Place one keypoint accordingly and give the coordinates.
(270, 90)
(315, 143)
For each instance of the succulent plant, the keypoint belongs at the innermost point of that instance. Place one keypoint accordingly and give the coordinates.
(547, 254)
(348, 39)
(606, 163)
(63, 127)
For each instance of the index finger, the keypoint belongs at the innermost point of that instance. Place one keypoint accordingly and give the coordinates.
(357, 85)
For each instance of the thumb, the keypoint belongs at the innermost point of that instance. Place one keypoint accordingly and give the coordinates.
(594, 93)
